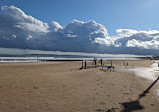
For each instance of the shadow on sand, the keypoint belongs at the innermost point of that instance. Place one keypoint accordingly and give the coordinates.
(135, 105)
(89, 67)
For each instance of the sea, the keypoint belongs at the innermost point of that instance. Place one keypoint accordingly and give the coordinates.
(41, 58)
(14, 55)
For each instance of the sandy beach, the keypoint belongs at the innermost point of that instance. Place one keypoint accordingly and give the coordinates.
(62, 87)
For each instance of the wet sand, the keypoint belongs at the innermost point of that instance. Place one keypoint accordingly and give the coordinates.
(62, 87)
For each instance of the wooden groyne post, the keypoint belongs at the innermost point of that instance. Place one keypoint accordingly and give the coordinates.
(85, 64)
(95, 63)
(82, 64)
(101, 61)
(111, 63)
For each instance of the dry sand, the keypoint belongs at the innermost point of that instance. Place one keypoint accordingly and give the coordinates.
(62, 87)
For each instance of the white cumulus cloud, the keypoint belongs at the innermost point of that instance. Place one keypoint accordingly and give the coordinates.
(138, 38)
(55, 26)
(24, 21)
(20, 30)
(153, 44)
(89, 29)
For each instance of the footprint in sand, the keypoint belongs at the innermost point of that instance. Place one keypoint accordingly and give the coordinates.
(126, 93)
(152, 104)
(97, 80)
(2, 102)
(112, 84)
(65, 97)
(102, 102)
(121, 97)
(95, 89)
(26, 107)
(107, 110)
(35, 87)
(98, 84)
(93, 98)
(99, 110)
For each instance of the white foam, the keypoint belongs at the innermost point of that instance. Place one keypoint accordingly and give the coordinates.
(18, 61)
(150, 73)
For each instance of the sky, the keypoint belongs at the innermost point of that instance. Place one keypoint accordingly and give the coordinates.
(91, 26)
(113, 14)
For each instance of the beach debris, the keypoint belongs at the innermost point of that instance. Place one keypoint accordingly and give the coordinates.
(125, 63)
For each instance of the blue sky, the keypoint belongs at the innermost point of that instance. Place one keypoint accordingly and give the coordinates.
(113, 14)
